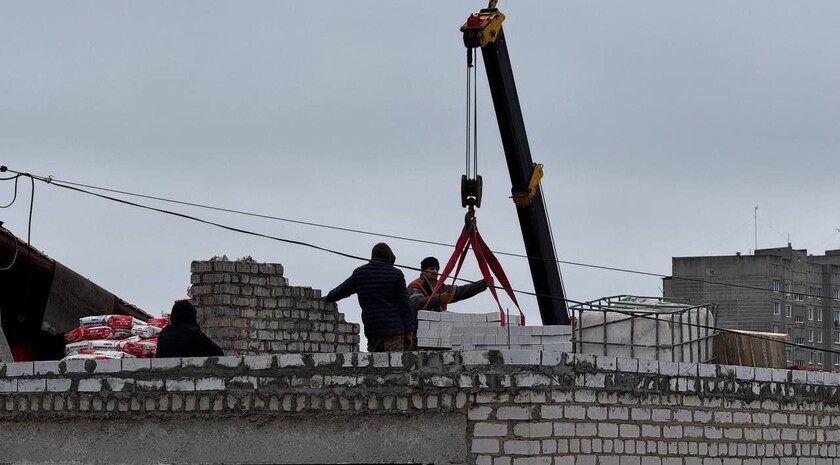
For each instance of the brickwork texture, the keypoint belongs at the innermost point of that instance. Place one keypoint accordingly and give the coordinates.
(250, 309)
(520, 407)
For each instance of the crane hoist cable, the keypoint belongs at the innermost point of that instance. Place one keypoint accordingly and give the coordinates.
(471, 189)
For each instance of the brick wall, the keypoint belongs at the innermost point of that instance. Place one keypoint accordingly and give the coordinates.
(484, 408)
(249, 308)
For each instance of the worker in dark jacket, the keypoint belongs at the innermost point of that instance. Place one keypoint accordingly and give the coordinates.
(380, 288)
(182, 337)
(421, 288)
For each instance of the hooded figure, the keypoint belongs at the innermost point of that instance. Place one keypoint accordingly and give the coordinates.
(182, 337)
(380, 288)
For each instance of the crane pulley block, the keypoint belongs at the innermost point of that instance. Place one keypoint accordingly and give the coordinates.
(471, 191)
(482, 28)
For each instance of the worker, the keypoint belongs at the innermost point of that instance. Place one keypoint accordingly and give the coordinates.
(380, 288)
(421, 288)
(182, 337)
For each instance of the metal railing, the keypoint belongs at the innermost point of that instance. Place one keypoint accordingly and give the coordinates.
(686, 331)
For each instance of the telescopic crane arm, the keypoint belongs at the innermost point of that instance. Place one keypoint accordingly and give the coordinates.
(484, 30)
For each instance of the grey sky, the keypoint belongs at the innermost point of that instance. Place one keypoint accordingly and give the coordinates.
(660, 124)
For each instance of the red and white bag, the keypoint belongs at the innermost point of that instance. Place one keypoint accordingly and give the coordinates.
(107, 332)
(145, 331)
(142, 349)
(158, 322)
(104, 344)
(76, 347)
(106, 354)
(75, 335)
(114, 321)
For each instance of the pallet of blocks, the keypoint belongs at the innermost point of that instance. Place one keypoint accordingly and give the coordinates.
(484, 331)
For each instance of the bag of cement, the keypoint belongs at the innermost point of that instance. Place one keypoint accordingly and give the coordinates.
(145, 331)
(90, 354)
(106, 354)
(157, 322)
(114, 321)
(107, 332)
(143, 349)
(104, 344)
(75, 335)
(76, 347)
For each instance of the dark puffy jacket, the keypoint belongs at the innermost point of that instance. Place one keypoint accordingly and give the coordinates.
(380, 288)
(182, 337)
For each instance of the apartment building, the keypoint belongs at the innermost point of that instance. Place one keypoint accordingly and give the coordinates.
(780, 290)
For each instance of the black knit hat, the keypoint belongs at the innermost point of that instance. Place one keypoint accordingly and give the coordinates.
(429, 262)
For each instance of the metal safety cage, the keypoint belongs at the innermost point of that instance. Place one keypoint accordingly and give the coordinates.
(645, 328)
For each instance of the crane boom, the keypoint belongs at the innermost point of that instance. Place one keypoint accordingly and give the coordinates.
(484, 30)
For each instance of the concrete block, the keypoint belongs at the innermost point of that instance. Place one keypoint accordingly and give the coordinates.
(479, 413)
(209, 384)
(533, 429)
(8, 386)
(428, 315)
(490, 429)
(182, 384)
(54, 385)
(20, 369)
(565, 347)
(46, 368)
(450, 316)
(484, 446)
(518, 447)
(521, 357)
(705, 370)
(291, 360)
(135, 364)
(475, 357)
(514, 413)
(90, 385)
(165, 363)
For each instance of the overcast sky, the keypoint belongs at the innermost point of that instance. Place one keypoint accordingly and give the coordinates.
(661, 126)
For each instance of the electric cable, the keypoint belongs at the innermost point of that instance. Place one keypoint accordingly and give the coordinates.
(16, 178)
(406, 238)
(17, 250)
(355, 257)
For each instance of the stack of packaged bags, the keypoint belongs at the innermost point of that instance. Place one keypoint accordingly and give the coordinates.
(102, 337)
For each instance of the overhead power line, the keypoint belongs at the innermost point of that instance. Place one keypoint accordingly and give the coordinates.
(63, 183)
(55, 182)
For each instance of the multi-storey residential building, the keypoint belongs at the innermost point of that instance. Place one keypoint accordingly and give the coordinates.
(779, 290)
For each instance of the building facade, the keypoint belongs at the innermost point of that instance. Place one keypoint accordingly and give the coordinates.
(781, 290)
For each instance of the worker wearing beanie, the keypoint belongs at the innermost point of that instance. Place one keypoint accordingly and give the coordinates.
(421, 288)
(380, 288)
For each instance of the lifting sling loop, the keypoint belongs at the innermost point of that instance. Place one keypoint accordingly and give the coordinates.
(487, 263)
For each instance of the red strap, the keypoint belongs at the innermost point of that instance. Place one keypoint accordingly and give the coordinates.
(497, 270)
(485, 272)
(488, 264)
(461, 246)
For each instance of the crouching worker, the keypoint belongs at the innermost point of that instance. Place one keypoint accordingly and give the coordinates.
(380, 288)
(421, 288)
(182, 337)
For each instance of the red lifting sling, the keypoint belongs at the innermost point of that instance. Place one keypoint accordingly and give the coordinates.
(487, 263)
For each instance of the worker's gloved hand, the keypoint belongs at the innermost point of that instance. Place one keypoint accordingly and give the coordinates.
(468, 290)
(445, 298)
(408, 341)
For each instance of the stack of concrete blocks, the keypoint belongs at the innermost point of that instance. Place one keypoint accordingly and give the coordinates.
(484, 331)
(249, 308)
